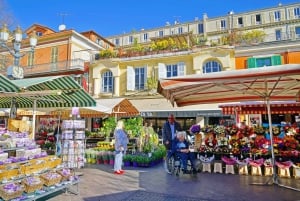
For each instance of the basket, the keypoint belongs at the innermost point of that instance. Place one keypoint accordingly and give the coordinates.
(31, 184)
(52, 163)
(51, 178)
(65, 173)
(9, 195)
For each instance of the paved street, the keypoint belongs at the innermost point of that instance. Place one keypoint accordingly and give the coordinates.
(153, 184)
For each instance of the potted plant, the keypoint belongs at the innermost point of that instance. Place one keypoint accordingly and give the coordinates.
(127, 159)
(108, 126)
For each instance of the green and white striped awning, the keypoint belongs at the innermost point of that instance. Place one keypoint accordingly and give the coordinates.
(66, 93)
(6, 85)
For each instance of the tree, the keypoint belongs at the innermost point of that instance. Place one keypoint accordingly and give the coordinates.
(6, 16)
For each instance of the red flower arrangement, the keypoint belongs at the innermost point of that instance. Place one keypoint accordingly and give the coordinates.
(290, 142)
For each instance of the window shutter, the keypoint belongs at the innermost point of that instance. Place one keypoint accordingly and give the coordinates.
(251, 62)
(162, 71)
(291, 12)
(181, 67)
(130, 78)
(282, 15)
(145, 73)
(276, 60)
(272, 16)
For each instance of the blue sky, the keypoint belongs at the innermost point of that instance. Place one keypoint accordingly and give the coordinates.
(113, 17)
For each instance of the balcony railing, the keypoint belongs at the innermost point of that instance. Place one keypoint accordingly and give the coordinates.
(52, 68)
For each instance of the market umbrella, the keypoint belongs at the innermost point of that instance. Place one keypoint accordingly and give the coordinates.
(276, 83)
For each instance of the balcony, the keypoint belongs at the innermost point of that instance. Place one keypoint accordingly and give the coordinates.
(61, 67)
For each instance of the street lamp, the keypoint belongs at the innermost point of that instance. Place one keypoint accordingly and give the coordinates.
(16, 71)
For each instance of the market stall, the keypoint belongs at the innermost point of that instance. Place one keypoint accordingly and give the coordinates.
(274, 83)
(29, 165)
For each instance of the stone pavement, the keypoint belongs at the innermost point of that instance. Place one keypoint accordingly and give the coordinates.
(98, 183)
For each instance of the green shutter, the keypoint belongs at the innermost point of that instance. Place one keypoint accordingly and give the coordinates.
(276, 60)
(251, 62)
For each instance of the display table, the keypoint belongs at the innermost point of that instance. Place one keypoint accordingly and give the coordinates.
(48, 191)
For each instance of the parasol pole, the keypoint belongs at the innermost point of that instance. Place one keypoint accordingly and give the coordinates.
(274, 176)
(33, 118)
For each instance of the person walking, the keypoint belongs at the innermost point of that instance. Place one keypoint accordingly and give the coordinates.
(121, 141)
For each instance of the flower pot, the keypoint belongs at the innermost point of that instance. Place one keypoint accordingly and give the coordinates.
(126, 163)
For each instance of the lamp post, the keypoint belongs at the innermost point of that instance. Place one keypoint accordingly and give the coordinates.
(16, 71)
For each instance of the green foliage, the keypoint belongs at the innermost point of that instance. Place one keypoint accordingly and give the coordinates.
(107, 53)
(127, 158)
(108, 126)
(134, 125)
(254, 36)
(151, 83)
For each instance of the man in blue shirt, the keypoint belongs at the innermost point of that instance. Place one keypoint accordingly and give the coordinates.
(169, 131)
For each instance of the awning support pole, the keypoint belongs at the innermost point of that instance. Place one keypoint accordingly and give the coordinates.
(33, 119)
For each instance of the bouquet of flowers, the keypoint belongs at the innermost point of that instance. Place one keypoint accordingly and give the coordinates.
(219, 130)
(195, 129)
(259, 130)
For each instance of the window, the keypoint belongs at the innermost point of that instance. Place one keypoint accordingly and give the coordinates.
(161, 33)
(212, 66)
(240, 22)
(278, 34)
(277, 16)
(54, 54)
(117, 42)
(223, 24)
(257, 19)
(130, 39)
(136, 78)
(107, 82)
(145, 36)
(30, 61)
(38, 33)
(140, 78)
(200, 28)
(175, 70)
(256, 62)
(297, 13)
(99, 41)
(297, 32)
(260, 62)
(180, 30)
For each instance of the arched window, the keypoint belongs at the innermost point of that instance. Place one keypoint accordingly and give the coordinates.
(107, 82)
(211, 66)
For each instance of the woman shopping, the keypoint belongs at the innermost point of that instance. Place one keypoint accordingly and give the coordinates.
(121, 141)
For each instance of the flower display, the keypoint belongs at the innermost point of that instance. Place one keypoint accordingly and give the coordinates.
(290, 142)
(259, 130)
(195, 129)
(232, 130)
(275, 130)
(219, 130)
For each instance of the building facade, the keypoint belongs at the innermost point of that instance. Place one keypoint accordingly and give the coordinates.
(258, 38)
(63, 52)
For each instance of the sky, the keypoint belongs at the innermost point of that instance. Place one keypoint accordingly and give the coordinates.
(113, 17)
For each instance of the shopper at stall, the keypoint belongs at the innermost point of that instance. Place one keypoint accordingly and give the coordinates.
(121, 141)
